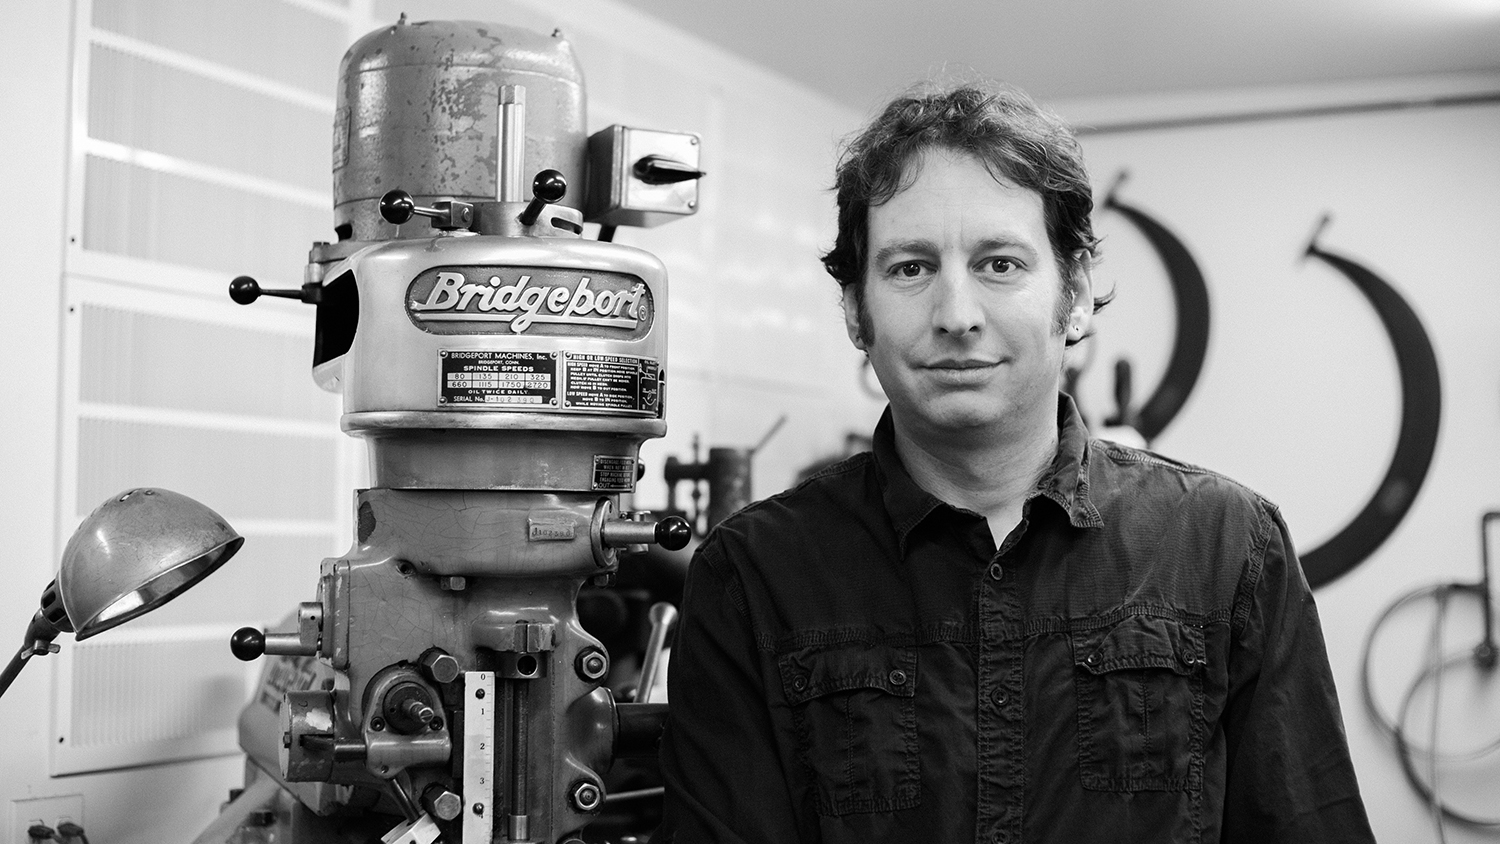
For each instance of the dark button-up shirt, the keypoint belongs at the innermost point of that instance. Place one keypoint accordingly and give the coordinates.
(1139, 661)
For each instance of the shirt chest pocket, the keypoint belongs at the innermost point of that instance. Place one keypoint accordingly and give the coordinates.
(854, 709)
(1141, 725)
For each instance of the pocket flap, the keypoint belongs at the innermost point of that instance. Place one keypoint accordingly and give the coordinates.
(810, 672)
(1140, 641)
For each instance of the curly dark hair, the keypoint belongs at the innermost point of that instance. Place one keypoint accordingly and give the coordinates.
(1003, 128)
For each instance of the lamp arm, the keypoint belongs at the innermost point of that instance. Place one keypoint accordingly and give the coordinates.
(39, 635)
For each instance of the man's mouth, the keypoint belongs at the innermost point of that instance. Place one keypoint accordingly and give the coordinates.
(962, 363)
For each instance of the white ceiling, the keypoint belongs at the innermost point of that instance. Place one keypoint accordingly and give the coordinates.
(861, 52)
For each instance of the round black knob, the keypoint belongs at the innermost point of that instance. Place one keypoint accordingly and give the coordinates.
(247, 643)
(673, 533)
(549, 186)
(397, 207)
(244, 290)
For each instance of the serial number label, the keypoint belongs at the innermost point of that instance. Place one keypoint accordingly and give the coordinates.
(625, 385)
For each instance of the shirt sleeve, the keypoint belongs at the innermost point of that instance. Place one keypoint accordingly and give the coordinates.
(1289, 778)
(725, 782)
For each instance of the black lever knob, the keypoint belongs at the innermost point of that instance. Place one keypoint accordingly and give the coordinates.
(244, 290)
(247, 643)
(673, 533)
(548, 187)
(660, 170)
(397, 207)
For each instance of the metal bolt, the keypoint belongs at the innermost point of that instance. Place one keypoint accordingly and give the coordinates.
(479, 808)
(440, 667)
(587, 797)
(377, 723)
(442, 802)
(592, 664)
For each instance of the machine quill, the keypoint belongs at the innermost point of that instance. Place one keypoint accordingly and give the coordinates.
(503, 371)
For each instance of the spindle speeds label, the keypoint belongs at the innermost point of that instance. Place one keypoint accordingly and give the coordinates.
(568, 381)
(498, 379)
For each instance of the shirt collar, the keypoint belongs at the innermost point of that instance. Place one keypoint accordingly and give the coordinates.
(1066, 481)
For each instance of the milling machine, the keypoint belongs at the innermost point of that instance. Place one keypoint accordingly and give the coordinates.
(503, 372)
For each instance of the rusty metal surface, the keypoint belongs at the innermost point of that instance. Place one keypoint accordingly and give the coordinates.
(418, 109)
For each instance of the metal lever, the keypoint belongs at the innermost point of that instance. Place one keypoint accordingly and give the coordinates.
(245, 290)
(548, 187)
(397, 207)
(248, 643)
(671, 533)
(661, 615)
(660, 170)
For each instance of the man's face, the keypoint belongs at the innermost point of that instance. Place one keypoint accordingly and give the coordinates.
(961, 298)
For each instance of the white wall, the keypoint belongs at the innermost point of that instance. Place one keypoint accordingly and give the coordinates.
(1299, 398)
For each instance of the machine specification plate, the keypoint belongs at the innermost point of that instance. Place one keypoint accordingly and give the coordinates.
(525, 379)
(618, 383)
(485, 379)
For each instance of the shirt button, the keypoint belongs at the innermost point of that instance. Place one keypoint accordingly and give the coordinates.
(999, 698)
(799, 683)
(1001, 838)
(997, 571)
(897, 677)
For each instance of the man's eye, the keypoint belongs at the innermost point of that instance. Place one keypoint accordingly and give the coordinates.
(1001, 266)
(909, 269)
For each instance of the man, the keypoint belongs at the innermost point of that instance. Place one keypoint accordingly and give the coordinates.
(992, 628)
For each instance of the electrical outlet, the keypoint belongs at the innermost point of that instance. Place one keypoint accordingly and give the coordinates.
(47, 810)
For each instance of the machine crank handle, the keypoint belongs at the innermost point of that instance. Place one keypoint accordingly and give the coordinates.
(397, 207)
(249, 643)
(245, 290)
(671, 533)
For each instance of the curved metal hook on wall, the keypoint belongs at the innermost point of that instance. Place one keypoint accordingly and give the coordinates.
(1190, 294)
(1421, 408)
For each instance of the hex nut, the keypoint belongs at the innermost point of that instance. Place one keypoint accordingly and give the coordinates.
(587, 797)
(592, 664)
(440, 667)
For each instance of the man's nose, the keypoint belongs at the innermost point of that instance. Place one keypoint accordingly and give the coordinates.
(956, 308)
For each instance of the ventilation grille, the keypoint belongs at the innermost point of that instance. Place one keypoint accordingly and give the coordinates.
(128, 704)
(150, 106)
(237, 33)
(174, 219)
(151, 360)
(257, 476)
(116, 685)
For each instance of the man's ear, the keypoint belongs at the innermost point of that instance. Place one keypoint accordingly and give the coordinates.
(1081, 314)
(851, 316)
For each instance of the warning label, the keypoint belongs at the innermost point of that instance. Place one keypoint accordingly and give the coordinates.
(614, 474)
(617, 383)
(498, 379)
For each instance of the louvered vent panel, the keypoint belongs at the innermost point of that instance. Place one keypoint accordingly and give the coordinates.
(239, 474)
(174, 219)
(266, 38)
(116, 688)
(149, 360)
(149, 106)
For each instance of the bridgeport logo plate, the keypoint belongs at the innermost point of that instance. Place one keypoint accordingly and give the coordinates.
(544, 301)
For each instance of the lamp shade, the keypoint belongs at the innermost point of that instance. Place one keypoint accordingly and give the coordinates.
(137, 551)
